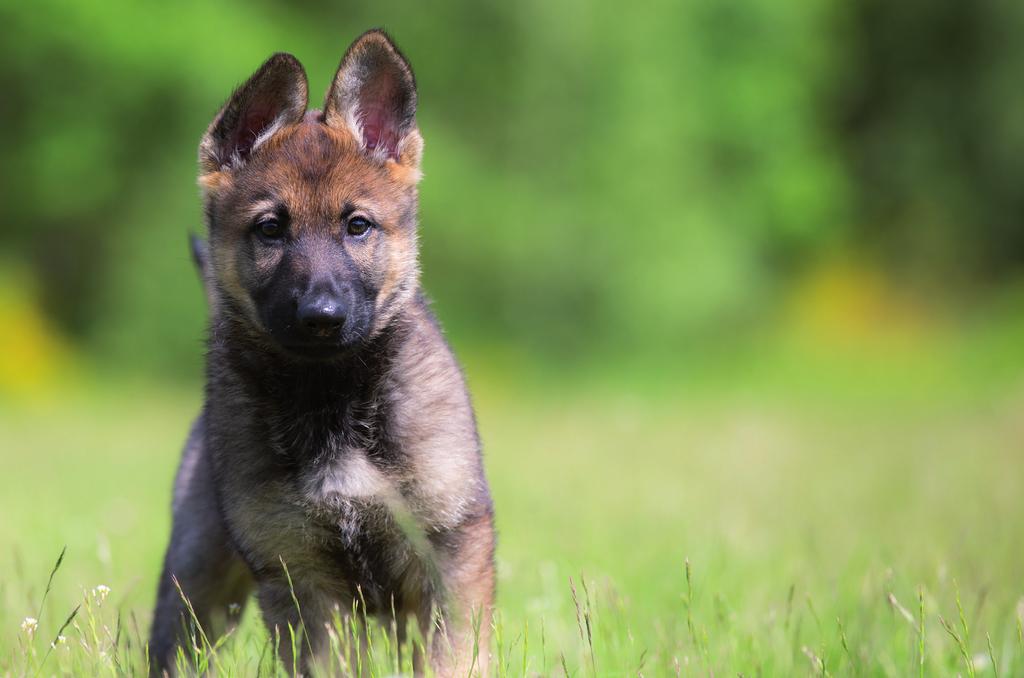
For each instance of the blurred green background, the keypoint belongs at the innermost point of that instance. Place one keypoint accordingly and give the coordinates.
(601, 183)
(738, 281)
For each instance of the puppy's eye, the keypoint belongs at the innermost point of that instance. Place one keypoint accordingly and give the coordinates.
(359, 226)
(270, 229)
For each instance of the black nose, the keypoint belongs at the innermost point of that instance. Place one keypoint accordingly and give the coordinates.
(321, 315)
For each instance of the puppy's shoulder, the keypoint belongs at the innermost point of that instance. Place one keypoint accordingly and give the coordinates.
(425, 372)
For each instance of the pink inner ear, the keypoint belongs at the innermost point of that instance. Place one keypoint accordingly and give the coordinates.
(379, 103)
(253, 122)
(380, 130)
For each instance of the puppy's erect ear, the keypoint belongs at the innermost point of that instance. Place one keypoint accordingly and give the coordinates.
(373, 96)
(275, 96)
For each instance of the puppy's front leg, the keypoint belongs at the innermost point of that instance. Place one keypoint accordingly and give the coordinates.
(199, 556)
(467, 572)
(299, 631)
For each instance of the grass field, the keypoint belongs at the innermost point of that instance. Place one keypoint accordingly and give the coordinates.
(839, 517)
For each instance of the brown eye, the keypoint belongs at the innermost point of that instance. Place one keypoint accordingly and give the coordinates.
(358, 226)
(270, 229)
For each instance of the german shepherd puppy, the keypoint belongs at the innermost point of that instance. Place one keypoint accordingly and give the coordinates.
(337, 439)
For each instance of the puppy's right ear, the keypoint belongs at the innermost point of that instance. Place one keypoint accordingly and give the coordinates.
(200, 253)
(201, 258)
(275, 96)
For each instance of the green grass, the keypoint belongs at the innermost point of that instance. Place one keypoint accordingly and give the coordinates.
(736, 529)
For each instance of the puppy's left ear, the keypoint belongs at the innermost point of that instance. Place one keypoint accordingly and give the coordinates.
(373, 96)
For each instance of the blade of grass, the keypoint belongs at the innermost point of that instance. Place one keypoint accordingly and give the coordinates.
(964, 652)
(992, 655)
(206, 651)
(920, 631)
(302, 623)
(846, 647)
(963, 619)
(49, 582)
(53, 644)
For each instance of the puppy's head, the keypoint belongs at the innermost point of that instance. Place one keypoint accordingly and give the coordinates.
(312, 216)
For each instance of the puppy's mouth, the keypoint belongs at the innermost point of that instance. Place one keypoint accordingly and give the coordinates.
(317, 350)
(311, 344)
(317, 347)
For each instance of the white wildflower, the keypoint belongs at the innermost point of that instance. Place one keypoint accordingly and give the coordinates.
(61, 640)
(29, 625)
(101, 592)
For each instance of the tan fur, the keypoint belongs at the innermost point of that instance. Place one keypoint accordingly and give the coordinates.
(342, 174)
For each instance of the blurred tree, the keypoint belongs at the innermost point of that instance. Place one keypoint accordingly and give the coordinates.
(596, 177)
(931, 119)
